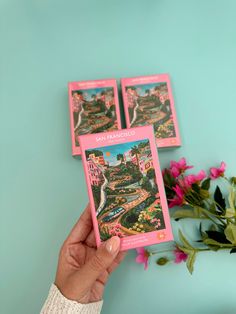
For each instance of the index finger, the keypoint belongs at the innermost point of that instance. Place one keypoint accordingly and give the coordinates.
(82, 228)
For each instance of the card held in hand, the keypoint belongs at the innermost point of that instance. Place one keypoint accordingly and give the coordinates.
(125, 187)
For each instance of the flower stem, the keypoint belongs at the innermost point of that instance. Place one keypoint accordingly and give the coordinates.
(207, 214)
(201, 250)
(220, 248)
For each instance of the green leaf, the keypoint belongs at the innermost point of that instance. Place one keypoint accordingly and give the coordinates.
(217, 236)
(168, 178)
(229, 212)
(191, 252)
(212, 208)
(232, 198)
(204, 194)
(200, 228)
(190, 261)
(206, 184)
(213, 227)
(221, 227)
(220, 201)
(230, 233)
(202, 233)
(196, 187)
(233, 251)
(185, 250)
(233, 180)
(206, 213)
(185, 241)
(210, 242)
(186, 213)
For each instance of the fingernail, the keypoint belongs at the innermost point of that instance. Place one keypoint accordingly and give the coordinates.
(113, 244)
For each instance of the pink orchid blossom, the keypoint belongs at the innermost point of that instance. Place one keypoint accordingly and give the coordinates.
(179, 197)
(142, 257)
(191, 179)
(175, 172)
(178, 167)
(180, 256)
(218, 172)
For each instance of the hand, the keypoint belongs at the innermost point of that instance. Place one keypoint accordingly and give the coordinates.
(83, 270)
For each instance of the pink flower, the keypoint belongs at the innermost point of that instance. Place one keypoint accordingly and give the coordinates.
(153, 220)
(218, 172)
(158, 224)
(142, 257)
(178, 167)
(179, 197)
(200, 176)
(191, 179)
(175, 172)
(180, 256)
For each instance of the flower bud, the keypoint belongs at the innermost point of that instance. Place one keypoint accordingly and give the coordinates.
(233, 180)
(162, 261)
(204, 193)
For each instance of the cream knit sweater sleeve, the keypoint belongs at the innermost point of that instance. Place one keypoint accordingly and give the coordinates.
(56, 303)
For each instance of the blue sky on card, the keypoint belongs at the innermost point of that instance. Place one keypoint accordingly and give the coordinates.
(93, 91)
(142, 88)
(114, 150)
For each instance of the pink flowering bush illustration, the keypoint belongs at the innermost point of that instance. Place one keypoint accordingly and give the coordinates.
(115, 230)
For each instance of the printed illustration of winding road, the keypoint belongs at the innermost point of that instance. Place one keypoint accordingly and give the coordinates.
(91, 119)
(132, 199)
(103, 195)
(124, 187)
(148, 111)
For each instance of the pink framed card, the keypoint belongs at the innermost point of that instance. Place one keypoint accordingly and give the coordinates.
(94, 108)
(125, 187)
(149, 100)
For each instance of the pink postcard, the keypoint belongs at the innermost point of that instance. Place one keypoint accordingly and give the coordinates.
(125, 187)
(94, 108)
(149, 100)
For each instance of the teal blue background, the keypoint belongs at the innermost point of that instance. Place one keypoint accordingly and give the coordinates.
(45, 44)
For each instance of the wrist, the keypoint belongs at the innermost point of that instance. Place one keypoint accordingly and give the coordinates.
(58, 303)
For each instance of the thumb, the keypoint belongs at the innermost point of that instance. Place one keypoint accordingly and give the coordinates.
(102, 259)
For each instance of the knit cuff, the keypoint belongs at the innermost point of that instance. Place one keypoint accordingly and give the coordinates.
(56, 303)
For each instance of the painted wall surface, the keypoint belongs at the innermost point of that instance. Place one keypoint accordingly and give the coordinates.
(45, 44)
